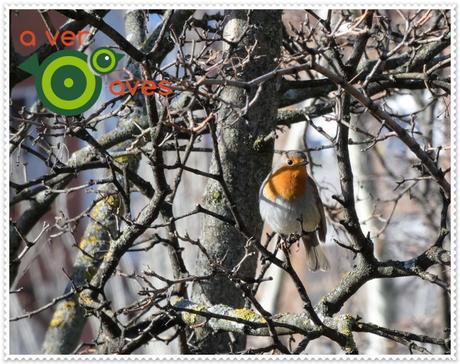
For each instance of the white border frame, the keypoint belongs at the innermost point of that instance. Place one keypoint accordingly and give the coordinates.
(209, 4)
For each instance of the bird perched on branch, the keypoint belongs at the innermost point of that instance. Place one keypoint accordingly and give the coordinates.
(290, 203)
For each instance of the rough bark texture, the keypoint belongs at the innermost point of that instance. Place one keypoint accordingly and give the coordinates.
(68, 320)
(379, 307)
(226, 86)
(237, 141)
(67, 323)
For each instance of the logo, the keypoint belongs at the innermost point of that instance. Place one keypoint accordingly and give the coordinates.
(67, 82)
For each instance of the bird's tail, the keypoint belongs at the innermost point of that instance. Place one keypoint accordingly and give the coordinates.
(316, 257)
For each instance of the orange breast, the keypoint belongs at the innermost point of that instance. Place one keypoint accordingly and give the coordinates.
(287, 182)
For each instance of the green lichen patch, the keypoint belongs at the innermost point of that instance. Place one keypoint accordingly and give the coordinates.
(108, 203)
(63, 314)
(246, 314)
(122, 159)
(190, 318)
(258, 144)
(88, 241)
(85, 298)
(217, 197)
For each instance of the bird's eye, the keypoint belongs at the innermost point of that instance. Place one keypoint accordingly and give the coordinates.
(290, 162)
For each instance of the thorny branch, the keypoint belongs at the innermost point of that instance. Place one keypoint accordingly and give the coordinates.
(350, 63)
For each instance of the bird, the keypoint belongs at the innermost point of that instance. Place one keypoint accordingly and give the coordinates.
(289, 202)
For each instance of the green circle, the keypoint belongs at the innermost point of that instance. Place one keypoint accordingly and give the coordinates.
(103, 60)
(59, 101)
(68, 82)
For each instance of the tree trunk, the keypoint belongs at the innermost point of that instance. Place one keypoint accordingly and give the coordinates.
(66, 325)
(244, 168)
(380, 296)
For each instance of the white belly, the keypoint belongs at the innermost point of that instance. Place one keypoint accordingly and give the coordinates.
(284, 217)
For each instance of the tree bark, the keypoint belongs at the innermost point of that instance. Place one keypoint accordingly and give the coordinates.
(68, 320)
(243, 167)
(380, 293)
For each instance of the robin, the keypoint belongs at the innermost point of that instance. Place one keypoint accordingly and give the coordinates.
(290, 203)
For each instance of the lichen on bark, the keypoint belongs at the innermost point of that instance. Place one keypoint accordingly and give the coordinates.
(259, 32)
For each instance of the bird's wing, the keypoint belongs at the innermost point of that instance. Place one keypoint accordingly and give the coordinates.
(322, 230)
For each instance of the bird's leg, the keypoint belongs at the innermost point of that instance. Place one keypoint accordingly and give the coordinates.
(292, 238)
(286, 245)
(283, 242)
